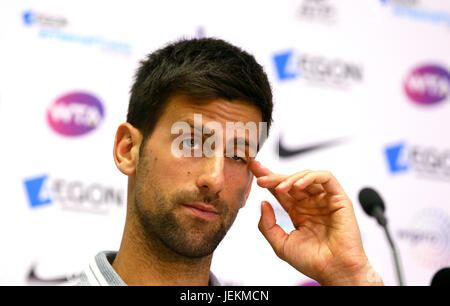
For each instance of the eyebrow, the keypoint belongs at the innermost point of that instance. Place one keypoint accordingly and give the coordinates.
(208, 131)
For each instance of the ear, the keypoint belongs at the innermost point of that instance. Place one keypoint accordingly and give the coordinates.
(248, 190)
(126, 148)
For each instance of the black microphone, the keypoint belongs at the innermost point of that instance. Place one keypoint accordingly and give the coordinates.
(373, 205)
(441, 278)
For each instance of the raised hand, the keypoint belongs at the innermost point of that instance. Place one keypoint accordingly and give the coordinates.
(326, 243)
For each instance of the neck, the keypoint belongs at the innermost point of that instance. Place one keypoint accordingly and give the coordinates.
(144, 260)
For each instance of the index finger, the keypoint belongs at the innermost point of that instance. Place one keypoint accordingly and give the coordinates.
(324, 178)
(258, 169)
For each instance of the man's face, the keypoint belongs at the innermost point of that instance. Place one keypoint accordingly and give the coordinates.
(189, 203)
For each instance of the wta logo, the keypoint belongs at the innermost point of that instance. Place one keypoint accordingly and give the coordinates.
(428, 84)
(75, 114)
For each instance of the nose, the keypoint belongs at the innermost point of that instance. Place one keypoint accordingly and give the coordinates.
(211, 178)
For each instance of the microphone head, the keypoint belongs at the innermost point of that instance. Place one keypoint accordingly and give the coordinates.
(370, 200)
(441, 278)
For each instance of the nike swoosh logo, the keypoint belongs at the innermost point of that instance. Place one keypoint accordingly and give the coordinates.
(286, 152)
(34, 278)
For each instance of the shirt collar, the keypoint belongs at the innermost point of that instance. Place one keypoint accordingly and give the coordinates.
(105, 273)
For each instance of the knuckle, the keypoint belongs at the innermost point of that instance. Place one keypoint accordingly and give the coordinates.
(305, 173)
(328, 172)
(260, 225)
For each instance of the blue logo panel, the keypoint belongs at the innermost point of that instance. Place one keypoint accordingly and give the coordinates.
(395, 156)
(283, 63)
(28, 18)
(38, 194)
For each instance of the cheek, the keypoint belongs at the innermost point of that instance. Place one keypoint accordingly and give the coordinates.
(238, 175)
(172, 168)
(238, 184)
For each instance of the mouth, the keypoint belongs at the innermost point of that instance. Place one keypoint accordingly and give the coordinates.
(201, 210)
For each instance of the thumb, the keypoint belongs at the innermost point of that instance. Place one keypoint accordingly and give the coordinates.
(268, 226)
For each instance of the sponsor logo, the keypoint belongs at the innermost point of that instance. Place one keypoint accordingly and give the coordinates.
(75, 114)
(72, 194)
(417, 10)
(428, 237)
(285, 152)
(317, 69)
(286, 66)
(397, 157)
(427, 84)
(37, 191)
(32, 18)
(425, 161)
(321, 11)
(400, 2)
(33, 278)
(53, 27)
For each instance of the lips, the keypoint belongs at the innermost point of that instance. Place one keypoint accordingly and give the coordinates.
(201, 210)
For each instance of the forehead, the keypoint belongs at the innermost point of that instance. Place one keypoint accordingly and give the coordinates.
(183, 108)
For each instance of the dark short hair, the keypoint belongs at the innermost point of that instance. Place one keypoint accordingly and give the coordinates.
(204, 68)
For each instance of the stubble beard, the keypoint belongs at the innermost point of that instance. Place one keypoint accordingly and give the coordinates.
(161, 217)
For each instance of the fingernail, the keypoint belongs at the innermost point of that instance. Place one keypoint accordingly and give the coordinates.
(298, 183)
(262, 178)
(282, 185)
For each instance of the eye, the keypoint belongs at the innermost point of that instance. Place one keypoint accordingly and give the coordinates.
(238, 159)
(191, 143)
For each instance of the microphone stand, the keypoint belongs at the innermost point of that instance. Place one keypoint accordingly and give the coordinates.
(379, 215)
(395, 255)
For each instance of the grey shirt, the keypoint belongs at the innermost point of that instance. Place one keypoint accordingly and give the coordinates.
(101, 273)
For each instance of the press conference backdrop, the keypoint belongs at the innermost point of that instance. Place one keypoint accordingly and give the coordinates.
(366, 81)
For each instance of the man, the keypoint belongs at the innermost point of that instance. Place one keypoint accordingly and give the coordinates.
(180, 206)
